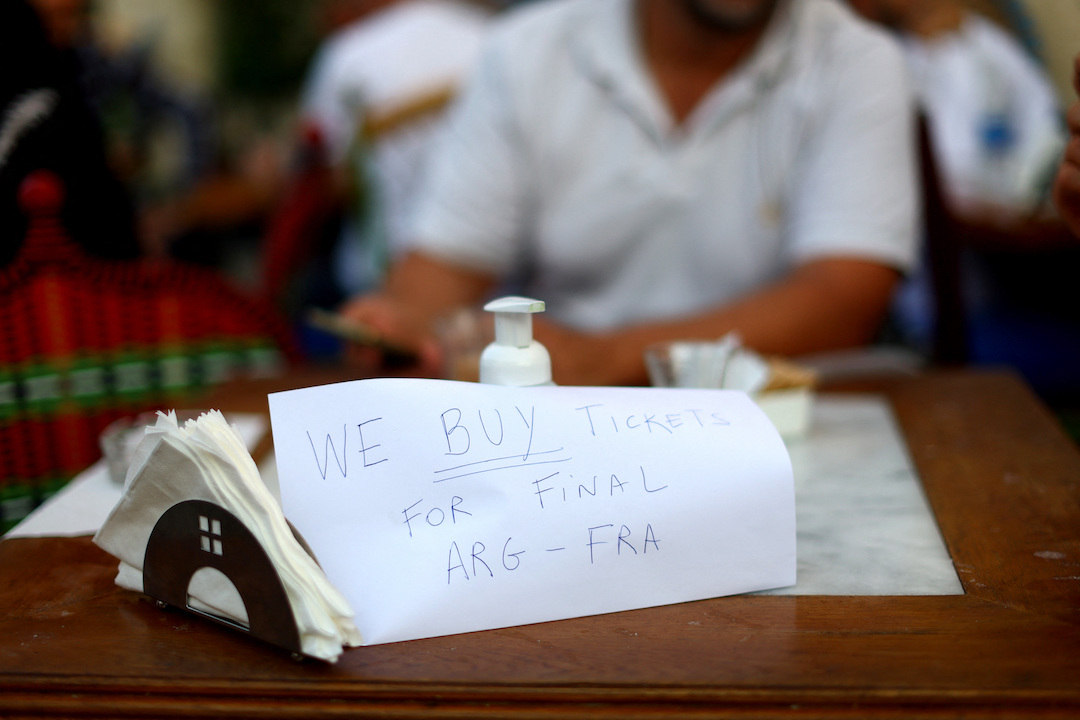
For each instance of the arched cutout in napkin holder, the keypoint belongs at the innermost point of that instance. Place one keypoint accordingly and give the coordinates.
(196, 534)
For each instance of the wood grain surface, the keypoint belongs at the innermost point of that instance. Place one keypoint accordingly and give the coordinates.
(1001, 476)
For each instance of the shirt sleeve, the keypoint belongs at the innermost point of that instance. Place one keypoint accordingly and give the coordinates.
(472, 203)
(856, 193)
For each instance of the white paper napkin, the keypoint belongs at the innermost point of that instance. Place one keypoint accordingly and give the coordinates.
(206, 460)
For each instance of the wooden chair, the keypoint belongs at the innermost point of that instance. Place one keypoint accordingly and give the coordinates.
(85, 341)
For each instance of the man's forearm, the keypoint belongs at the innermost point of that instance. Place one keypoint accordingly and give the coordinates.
(824, 305)
(430, 287)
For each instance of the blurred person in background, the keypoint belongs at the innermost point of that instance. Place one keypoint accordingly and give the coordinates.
(668, 169)
(48, 122)
(996, 130)
(374, 99)
(994, 119)
(124, 88)
(133, 105)
(161, 143)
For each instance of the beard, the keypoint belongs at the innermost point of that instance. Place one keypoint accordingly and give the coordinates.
(731, 16)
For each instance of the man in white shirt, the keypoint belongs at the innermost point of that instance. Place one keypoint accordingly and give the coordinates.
(669, 169)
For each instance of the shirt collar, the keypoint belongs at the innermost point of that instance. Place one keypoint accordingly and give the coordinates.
(606, 48)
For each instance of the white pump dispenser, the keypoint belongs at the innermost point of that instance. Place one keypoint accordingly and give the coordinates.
(515, 358)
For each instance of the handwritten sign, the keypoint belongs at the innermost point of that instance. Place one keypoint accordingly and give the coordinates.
(441, 507)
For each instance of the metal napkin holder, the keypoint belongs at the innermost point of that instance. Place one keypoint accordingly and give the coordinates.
(196, 534)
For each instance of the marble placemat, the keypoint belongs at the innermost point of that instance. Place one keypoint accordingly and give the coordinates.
(863, 525)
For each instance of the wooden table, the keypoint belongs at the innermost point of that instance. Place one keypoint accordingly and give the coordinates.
(1001, 476)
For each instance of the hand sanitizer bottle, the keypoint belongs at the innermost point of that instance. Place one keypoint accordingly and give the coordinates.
(515, 358)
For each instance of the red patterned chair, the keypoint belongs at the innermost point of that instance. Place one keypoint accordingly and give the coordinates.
(85, 341)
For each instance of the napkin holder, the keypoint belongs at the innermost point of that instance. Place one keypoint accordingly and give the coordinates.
(196, 534)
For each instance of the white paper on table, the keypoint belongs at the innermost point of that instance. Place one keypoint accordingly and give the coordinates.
(440, 507)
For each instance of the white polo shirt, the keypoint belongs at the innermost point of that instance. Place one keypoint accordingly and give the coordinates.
(562, 164)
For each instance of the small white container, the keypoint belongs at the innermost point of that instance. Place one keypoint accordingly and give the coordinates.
(725, 364)
(514, 358)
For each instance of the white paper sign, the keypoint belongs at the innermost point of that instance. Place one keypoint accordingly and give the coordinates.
(441, 507)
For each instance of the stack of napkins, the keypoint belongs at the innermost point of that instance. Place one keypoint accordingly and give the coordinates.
(781, 388)
(205, 459)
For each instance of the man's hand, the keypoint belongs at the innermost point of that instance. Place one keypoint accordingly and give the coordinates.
(392, 331)
(579, 358)
(418, 292)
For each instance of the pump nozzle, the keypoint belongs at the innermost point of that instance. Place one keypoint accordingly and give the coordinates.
(515, 358)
